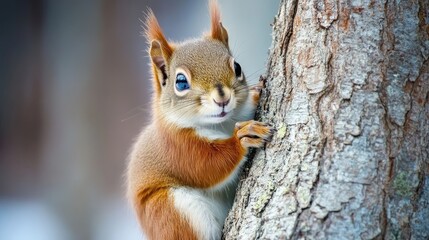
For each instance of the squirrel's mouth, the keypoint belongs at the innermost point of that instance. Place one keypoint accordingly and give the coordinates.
(220, 115)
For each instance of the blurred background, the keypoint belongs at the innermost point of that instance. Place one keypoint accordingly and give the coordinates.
(74, 93)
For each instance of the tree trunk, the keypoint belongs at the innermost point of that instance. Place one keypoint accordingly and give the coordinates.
(347, 90)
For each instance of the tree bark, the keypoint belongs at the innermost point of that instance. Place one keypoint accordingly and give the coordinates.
(347, 90)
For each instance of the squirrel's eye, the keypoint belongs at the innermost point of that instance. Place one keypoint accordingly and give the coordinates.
(181, 82)
(237, 69)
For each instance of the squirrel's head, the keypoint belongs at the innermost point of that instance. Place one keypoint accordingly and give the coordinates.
(198, 82)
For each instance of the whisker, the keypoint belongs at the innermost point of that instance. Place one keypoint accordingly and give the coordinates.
(131, 117)
(255, 72)
(135, 111)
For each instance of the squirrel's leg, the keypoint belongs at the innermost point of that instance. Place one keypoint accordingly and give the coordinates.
(161, 220)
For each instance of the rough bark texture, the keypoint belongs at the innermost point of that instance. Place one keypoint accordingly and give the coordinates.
(347, 90)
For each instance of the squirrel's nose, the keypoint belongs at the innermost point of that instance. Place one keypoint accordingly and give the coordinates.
(222, 103)
(221, 95)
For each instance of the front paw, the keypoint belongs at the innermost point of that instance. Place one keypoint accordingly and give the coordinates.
(253, 133)
(255, 91)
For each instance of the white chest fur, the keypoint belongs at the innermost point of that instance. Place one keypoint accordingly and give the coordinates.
(206, 209)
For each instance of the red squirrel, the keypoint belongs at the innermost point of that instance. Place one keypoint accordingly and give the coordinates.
(184, 166)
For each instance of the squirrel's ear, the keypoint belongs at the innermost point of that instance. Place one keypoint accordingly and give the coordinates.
(159, 62)
(218, 31)
(160, 50)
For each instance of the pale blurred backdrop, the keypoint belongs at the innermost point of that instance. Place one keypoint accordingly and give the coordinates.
(74, 92)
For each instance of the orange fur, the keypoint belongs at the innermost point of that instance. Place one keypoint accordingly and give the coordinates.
(197, 162)
(160, 219)
(255, 92)
(255, 98)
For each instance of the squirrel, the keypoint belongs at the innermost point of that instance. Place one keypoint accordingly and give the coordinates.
(183, 168)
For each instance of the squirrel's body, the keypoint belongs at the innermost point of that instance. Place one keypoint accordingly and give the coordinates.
(184, 166)
(201, 196)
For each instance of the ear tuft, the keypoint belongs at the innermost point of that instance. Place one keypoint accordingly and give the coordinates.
(218, 32)
(160, 51)
(154, 32)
